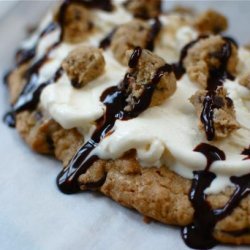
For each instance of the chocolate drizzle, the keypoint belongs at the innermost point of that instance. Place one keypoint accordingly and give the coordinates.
(246, 152)
(30, 95)
(216, 78)
(134, 59)
(106, 41)
(178, 67)
(199, 234)
(114, 98)
(9, 119)
(207, 115)
(155, 30)
(25, 55)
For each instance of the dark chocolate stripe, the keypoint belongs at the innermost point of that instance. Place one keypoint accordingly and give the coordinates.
(154, 31)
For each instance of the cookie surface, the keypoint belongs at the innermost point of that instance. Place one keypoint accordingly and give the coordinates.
(157, 190)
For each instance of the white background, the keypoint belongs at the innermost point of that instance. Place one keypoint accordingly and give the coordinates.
(34, 215)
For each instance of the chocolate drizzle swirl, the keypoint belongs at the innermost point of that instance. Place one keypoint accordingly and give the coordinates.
(114, 98)
(199, 234)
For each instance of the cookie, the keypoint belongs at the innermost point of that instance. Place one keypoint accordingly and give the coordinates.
(148, 108)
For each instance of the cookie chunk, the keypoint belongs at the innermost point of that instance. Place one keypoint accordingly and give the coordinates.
(142, 75)
(209, 54)
(76, 23)
(183, 10)
(84, 64)
(128, 36)
(144, 9)
(17, 80)
(217, 109)
(211, 21)
(245, 80)
(36, 130)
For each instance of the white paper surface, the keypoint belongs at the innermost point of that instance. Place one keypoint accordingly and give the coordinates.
(34, 215)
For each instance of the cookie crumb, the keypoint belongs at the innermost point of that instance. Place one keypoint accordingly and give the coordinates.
(205, 55)
(211, 21)
(223, 118)
(129, 36)
(183, 10)
(142, 74)
(245, 80)
(77, 23)
(84, 64)
(144, 9)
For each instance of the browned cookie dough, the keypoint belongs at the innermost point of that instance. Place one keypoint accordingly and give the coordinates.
(142, 75)
(77, 23)
(144, 8)
(129, 36)
(223, 115)
(211, 21)
(17, 82)
(205, 55)
(84, 64)
(245, 80)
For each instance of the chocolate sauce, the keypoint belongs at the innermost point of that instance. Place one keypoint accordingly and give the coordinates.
(114, 98)
(30, 96)
(106, 41)
(178, 67)
(9, 119)
(67, 180)
(50, 28)
(211, 153)
(246, 152)
(207, 115)
(133, 61)
(155, 30)
(216, 78)
(25, 55)
(6, 77)
(31, 92)
(199, 234)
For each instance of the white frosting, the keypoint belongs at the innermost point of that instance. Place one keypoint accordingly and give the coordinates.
(80, 107)
(163, 135)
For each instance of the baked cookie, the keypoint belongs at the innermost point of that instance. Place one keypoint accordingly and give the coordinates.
(149, 108)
